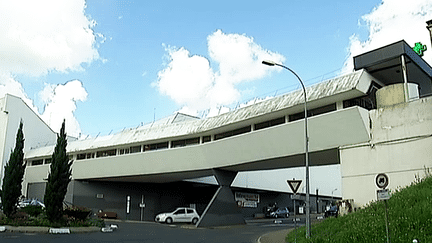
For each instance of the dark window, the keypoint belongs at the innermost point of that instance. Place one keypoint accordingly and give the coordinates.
(156, 146)
(274, 122)
(85, 156)
(124, 151)
(105, 153)
(368, 101)
(135, 149)
(190, 211)
(81, 156)
(206, 139)
(233, 133)
(313, 112)
(37, 162)
(48, 161)
(185, 142)
(180, 211)
(178, 143)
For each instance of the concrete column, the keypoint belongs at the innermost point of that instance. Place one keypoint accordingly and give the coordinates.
(339, 105)
(222, 209)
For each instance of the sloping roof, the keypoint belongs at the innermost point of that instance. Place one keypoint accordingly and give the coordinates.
(181, 124)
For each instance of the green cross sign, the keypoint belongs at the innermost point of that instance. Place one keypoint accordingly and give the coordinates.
(419, 48)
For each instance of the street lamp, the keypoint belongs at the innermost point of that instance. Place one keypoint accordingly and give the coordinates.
(333, 191)
(308, 219)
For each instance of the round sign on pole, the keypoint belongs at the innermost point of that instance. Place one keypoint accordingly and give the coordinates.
(382, 180)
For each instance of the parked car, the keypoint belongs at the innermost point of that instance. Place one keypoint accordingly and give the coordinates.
(33, 202)
(331, 212)
(280, 213)
(179, 215)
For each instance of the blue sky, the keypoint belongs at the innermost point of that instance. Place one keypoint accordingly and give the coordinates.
(108, 64)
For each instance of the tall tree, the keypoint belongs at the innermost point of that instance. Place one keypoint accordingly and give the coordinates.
(13, 176)
(58, 179)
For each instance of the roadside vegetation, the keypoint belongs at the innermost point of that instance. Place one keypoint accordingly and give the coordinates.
(56, 213)
(409, 217)
(36, 216)
(13, 178)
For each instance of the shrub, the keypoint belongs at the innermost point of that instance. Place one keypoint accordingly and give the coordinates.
(33, 210)
(80, 213)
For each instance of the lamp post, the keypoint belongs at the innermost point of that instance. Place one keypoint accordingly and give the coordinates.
(333, 191)
(308, 218)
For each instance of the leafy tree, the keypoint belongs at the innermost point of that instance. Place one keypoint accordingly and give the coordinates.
(58, 179)
(13, 176)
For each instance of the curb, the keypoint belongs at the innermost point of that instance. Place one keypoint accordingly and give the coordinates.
(274, 237)
(46, 230)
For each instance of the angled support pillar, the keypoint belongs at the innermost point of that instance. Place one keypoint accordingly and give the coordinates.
(222, 209)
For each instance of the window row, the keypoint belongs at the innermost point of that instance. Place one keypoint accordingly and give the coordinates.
(191, 141)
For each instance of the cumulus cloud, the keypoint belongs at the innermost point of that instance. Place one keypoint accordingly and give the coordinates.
(39, 37)
(60, 103)
(191, 81)
(8, 85)
(393, 21)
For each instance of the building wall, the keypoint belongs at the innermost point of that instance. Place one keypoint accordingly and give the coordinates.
(400, 147)
(36, 132)
(256, 150)
(3, 128)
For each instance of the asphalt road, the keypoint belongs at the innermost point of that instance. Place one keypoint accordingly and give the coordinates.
(130, 232)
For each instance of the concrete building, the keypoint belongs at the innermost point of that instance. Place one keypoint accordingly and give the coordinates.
(376, 119)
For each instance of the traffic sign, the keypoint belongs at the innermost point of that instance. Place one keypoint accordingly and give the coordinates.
(294, 185)
(382, 180)
(383, 194)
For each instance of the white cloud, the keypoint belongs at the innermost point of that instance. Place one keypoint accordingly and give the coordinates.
(60, 103)
(190, 80)
(393, 21)
(8, 85)
(40, 36)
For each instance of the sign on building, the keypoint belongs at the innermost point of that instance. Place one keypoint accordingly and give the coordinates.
(247, 200)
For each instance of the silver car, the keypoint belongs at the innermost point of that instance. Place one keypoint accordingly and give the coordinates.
(188, 215)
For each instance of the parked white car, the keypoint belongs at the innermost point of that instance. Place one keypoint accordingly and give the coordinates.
(179, 215)
(32, 202)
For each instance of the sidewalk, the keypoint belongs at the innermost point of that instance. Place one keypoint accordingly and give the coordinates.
(274, 237)
(279, 236)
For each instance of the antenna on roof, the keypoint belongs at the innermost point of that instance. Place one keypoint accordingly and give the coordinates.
(154, 114)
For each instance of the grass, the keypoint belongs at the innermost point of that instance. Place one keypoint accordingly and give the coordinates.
(409, 217)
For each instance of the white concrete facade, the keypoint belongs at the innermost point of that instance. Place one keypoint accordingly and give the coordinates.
(36, 132)
(274, 147)
(400, 147)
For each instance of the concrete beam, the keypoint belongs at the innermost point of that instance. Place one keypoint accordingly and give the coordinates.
(222, 209)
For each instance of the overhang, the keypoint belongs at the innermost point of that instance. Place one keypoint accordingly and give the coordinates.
(385, 64)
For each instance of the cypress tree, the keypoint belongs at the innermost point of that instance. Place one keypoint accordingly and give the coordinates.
(58, 179)
(13, 176)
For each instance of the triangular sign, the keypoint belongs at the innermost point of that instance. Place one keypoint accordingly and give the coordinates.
(294, 185)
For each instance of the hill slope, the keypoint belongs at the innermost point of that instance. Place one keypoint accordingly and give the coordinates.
(409, 212)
